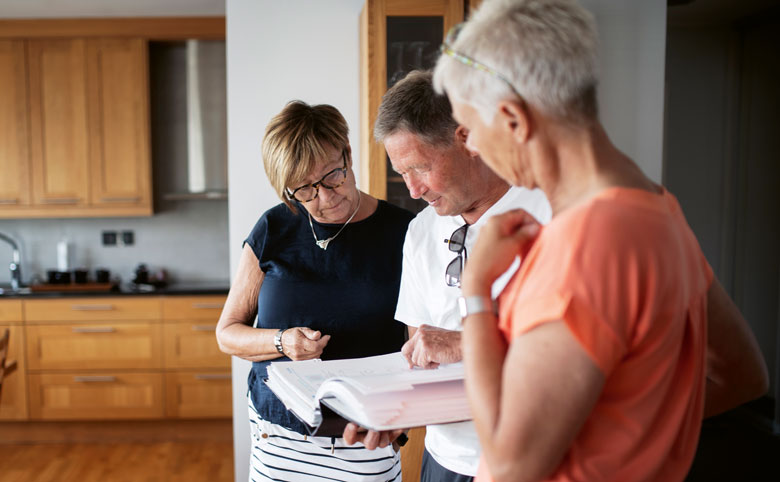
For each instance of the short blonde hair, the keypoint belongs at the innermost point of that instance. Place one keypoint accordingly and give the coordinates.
(295, 142)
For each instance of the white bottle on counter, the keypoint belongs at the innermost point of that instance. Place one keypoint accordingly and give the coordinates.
(63, 255)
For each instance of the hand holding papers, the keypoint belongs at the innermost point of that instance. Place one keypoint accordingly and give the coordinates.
(378, 393)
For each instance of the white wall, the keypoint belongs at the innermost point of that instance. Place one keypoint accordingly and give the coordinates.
(632, 35)
(308, 49)
(279, 51)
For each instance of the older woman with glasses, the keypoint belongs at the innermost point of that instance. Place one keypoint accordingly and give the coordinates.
(613, 339)
(320, 272)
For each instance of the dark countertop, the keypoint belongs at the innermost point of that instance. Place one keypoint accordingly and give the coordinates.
(127, 289)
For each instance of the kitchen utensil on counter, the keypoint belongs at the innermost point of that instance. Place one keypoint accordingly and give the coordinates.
(56, 277)
(80, 276)
(63, 255)
(102, 275)
(141, 275)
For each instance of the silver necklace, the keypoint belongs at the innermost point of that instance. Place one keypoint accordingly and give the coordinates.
(323, 243)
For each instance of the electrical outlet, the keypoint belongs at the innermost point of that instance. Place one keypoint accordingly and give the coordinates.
(128, 238)
(109, 238)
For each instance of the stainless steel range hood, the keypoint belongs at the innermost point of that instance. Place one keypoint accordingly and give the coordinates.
(203, 175)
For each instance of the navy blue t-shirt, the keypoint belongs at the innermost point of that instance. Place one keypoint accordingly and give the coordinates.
(348, 291)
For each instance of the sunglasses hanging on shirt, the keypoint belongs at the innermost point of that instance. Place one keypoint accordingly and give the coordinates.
(457, 244)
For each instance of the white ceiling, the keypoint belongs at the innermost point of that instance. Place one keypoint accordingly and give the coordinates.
(109, 8)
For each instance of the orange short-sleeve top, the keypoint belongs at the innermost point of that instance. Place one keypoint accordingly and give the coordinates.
(626, 274)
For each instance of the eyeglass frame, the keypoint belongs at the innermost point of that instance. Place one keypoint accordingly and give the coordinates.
(460, 258)
(446, 49)
(316, 185)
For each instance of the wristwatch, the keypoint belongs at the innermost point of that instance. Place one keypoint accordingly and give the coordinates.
(278, 340)
(471, 305)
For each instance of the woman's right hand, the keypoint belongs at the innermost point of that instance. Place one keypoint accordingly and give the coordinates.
(302, 343)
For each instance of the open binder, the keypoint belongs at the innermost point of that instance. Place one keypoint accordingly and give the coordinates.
(377, 393)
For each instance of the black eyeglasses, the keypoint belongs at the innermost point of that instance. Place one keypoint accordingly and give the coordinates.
(331, 180)
(456, 244)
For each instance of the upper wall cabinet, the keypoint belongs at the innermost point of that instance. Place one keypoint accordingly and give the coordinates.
(119, 119)
(14, 126)
(396, 37)
(74, 128)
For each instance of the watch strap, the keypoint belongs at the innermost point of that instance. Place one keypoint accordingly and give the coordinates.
(278, 340)
(472, 305)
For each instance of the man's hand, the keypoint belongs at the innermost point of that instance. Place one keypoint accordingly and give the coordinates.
(370, 438)
(301, 343)
(429, 346)
(500, 241)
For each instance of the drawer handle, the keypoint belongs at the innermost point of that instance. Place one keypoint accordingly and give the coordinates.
(9, 201)
(213, 376)
(204, 328)
(92, 307)
(120, 199)
(95, 378)
(208, 306)
(62, 200)
(93, 329)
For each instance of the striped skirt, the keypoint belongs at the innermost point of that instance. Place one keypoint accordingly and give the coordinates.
(282, 455)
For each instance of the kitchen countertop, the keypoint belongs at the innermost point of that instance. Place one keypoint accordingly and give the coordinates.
(126, 289)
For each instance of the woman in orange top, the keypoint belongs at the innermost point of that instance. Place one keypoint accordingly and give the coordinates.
(597, 365)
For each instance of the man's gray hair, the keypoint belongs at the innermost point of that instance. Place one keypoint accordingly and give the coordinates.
(413, 106)
(547, 50)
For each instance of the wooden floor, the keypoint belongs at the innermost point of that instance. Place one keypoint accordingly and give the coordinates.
(118, 462)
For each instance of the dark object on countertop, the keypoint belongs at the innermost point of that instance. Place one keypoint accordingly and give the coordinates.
(146, 281)
(58, 277)
(102, 275)
(80, 276)
(141, 275)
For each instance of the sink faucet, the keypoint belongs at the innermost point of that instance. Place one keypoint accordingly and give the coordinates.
(16, 262)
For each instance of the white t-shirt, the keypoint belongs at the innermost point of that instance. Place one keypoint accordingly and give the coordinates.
(425, 298)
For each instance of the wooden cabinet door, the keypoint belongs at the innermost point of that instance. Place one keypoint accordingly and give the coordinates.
(90, 396)
(396, 36)
(58, 122)
(14, 126)
(193, 345)
(13, 400)
(114, 308)
(120, 159)
(94, 346)
(198, 394)
(190, 308)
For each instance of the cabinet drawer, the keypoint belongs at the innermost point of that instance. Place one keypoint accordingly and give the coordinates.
(192, 345)
(88, 396)
(93, 309)
(206, 394)
(193, 307)
(94, 346)
(11, 311)
(13, 402)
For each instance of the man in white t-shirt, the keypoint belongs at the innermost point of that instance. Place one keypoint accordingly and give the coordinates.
(428, 148)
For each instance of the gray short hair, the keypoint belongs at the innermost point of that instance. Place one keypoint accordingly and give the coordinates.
(547, 50)
(412, 105)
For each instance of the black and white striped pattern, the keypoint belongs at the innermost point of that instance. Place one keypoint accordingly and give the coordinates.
(282, 455)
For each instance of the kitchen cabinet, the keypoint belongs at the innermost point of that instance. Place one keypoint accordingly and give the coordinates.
(13, 402)
(14, 124)
(120, 167)
(86, 104)
(197, 380)
(396, 36)
(116, 357)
